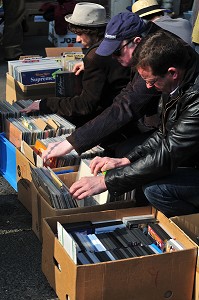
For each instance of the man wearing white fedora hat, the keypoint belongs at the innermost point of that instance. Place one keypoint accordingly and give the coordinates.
(149, 10)
(103, 77)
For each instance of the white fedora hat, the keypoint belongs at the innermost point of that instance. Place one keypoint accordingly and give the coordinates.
(88, 14)
(146, 7)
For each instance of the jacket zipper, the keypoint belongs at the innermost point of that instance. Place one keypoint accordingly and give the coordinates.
(167, 107)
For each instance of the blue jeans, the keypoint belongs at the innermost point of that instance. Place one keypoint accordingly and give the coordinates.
(177, 194)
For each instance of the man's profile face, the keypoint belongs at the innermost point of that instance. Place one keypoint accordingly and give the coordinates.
(125, 54)
(85, 40)
(161, 83)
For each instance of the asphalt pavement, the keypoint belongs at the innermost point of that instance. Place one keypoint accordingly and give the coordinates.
(21, 277)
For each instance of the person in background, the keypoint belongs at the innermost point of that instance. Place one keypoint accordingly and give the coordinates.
(149, 10)
(103, 77)
(14, 12)
(167, 164)
(56, 11)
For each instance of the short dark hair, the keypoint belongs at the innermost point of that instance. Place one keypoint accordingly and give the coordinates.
(160, 51)
(98, 32)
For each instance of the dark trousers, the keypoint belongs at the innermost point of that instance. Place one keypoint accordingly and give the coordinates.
(177, 194)
(14, 11)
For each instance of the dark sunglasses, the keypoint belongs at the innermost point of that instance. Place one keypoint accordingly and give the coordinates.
(117, 52)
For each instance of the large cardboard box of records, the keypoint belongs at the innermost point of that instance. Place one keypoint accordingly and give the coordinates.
(159, 276)
(25, 160)
(42, 207)
(17, 91)
(189, 225)
(36, 201)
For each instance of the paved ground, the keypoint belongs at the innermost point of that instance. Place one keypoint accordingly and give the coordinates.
(21, 277)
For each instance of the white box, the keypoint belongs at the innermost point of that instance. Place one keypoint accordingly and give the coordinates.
(68, 40)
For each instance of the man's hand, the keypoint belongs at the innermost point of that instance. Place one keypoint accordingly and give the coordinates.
(32, 107)
(101, 164)
(88, 186)
(78, 68)
(57, 149)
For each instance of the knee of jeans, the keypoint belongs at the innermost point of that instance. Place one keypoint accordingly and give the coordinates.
(145, 189)
(149, 191)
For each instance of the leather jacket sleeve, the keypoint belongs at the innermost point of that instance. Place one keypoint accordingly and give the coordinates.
(175, 145)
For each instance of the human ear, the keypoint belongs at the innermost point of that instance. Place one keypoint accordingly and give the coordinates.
(137, 40)
(173, 72)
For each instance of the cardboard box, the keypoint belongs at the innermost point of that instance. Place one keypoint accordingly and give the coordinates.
(54, 52)
(17, 91)
(155, 277)
(24, 162)
(25, 159)
(42, 208)
(23, 170)
(68, 40)
(189, 225)
(15, 136)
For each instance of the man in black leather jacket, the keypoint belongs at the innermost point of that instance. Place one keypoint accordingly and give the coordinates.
(103, 77)
(166, 164)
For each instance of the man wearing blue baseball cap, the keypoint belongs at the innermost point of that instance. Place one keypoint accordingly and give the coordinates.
(122, 27)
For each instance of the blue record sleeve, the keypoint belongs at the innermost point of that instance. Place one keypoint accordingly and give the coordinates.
(38, 76)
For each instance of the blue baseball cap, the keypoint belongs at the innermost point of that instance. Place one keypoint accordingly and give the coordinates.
(123, 26)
